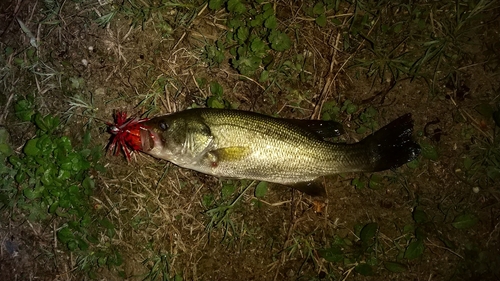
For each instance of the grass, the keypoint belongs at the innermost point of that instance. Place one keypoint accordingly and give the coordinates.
(401, 50)
(220, 212)
(481, 165)
(144, 221)
(160, 268)
(80, 107)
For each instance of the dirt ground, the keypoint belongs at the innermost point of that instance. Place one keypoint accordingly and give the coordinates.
(162, 228)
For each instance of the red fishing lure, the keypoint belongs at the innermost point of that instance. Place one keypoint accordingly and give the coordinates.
(126, 134)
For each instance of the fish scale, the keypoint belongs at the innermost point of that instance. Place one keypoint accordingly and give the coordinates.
(317, 156)
(247, 145)
(274, 146)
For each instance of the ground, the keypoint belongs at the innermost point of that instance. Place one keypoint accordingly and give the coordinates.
(360, 63)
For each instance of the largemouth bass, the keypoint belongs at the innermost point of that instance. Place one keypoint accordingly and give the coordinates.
(246, 145)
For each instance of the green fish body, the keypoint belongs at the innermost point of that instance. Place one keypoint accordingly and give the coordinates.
(247, 145)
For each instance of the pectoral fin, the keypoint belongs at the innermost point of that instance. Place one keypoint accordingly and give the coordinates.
(233, 153)
(313, 188)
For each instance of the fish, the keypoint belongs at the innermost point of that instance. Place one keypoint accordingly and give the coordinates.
(247, 145)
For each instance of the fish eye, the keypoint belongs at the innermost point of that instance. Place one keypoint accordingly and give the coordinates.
(163, 126)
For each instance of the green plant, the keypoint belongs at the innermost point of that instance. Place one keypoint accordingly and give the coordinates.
(80, 107)
(367, 253)
(155, 97)
(220, 211)
(103, 20)
(51, 180)
(452, 35)
(386, 64)
(319, 10)
(51, 171)
(7, 173)
(400, 41)
(259, 193)
(301, 246)
(104, 256)
(366, 120)
(214, 54)
(160, 269)
(25, 109)
(384, 54)
(362, 255)
(217, 99)
(332, 110)
(253, 35)
(481, 162)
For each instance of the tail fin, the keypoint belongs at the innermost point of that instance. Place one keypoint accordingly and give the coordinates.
(392, 146)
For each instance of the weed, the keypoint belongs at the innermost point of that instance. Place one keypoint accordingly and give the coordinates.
(369, 251)
(52, 180)
(360, 255)
(217, 99)
(373, 181)
(139, 12)
(386, 64)
(155, 97)
(303, 246)
(253, 33)
(25, 109)
(104, 20)
(160, 268)
(398, 49)
(107, 256)
(259, 193)
(451, 33)
(386, 56)
(214, 54)
(481, 162)
(80, 107)
(363, 255)
(319, 10)
(7, 174)
(220, 215)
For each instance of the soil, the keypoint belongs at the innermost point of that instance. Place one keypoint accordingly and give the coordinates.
(158, 209)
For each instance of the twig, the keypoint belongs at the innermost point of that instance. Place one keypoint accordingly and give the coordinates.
(246, 77)
(446, 248)
(295, 221)
(474, 123)
(329, 81)
(6, 112)
(272, 204)
(491, 234)
(348, 272)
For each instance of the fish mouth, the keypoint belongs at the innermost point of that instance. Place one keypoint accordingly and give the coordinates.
(149, 140)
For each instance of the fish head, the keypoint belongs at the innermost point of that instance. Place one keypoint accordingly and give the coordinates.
(176, 138)
(164, 137)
